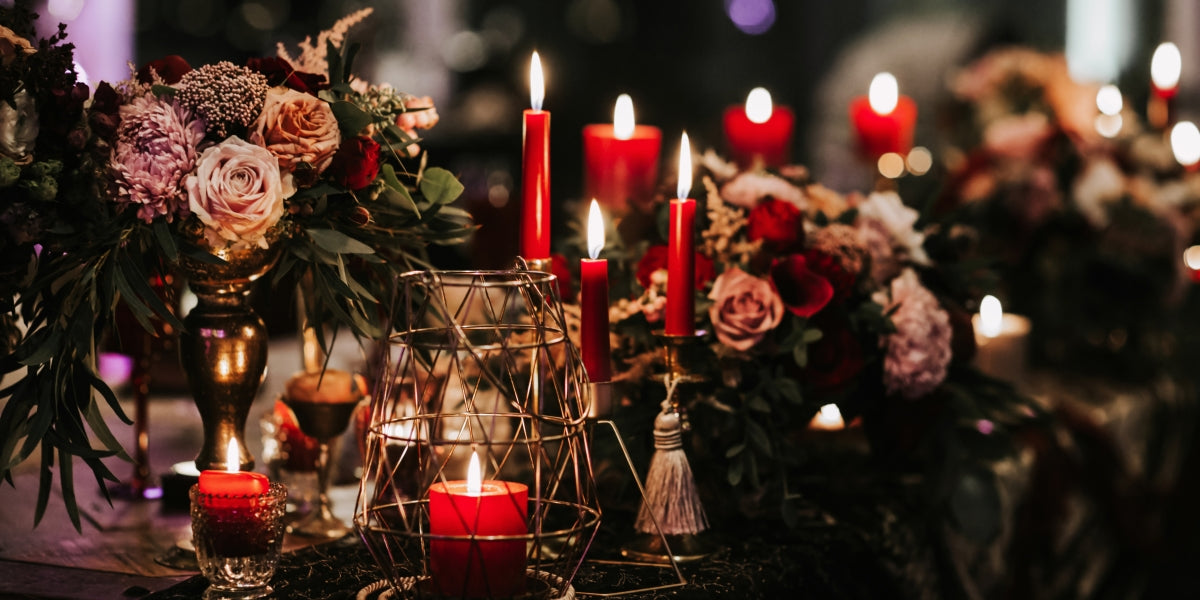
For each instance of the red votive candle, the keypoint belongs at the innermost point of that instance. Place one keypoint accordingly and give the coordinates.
(593, 303)
(759, 134)
(535, 170)
(621, 160)
(477, 568)
(681, 252)
(884, 120)
(230, 499)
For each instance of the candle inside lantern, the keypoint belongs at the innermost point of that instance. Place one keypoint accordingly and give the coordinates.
(621, 160)
(1001, 340)
(681, 256)
(593, 330)
(232, 482)
(476, 568)
(884, 119)
(535, 169)
(759, 133)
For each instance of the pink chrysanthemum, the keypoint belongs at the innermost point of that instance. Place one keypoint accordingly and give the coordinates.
(157, 146)
(918, 353)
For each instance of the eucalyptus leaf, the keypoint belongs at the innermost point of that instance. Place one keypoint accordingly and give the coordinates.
(736, 469)
(338, 242)
(758, 437)
(440, 186)
(351, 119)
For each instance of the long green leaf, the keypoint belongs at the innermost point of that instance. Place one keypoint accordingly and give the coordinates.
(45, 481)
(338, 242)
(101, 431)
(66, 478)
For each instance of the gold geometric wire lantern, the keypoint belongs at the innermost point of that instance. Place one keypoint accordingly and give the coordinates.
(478, 363)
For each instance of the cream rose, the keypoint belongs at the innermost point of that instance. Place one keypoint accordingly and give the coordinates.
(744, 308)
(237, 193)
(18, 128)
(296, 127)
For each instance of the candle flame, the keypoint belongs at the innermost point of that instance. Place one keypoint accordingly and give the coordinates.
(1165, 66)
(1109, 100)
(829, 417)
(623, 122)
(991, 316)
(537, 83)
(1191, 258)
(595, 230)
(685, 168)
(884, 93)
(758, 105)
(474, 478)
(1185, 143)
(233, 458)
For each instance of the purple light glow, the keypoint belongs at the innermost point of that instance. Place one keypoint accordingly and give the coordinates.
(985, 426)
(751, 16)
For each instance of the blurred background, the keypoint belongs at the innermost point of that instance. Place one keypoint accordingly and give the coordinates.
(682, 61)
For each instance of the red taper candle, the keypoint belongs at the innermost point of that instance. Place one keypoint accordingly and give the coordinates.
(535, 170)
(759, 134)
(593, 303)
(681, 257)
(884, 120)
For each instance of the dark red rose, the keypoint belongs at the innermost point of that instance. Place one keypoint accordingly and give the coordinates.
(834, 359)
(280, 72)
(356, 163)
(779, 224)
(827, 266)
(562, 270)
(803, 292)
(170, 68)
(655, 258)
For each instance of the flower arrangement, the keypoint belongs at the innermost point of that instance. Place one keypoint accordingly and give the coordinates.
(1088, 214)
(809, 297)
(111, 190)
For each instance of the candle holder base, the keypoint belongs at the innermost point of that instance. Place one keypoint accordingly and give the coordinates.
(539, 585)
(181, 556)
(686, 357)
(666, 549)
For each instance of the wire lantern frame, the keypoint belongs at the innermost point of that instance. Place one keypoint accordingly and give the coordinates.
(478, 363)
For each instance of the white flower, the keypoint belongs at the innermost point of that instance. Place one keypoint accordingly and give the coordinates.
(1098, 185)
(18, 128)
(898, 219)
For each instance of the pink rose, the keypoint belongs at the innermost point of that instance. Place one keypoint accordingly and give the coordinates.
(237, 193)
(296, 128)
(744, 308)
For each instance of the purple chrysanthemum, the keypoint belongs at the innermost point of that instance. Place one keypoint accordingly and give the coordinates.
(918, 353)
(157, 146)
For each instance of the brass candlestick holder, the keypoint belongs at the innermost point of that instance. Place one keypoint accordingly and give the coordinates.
(671, 520)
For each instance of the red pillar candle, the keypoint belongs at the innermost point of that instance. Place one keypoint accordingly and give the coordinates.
(232, 482)
(621, 160)
(535, 170)
(681, 257)
(593, 328)
(475, 568)
(759, 134)
(884, 120)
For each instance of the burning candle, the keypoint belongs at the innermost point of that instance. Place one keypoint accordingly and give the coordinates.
(759, 133)
(1191, 259)
(1185, 144)
(621, 160)
(1109, 102)
(593, 330)
(829, 418)
(1165, 68)
(883, 119)
(681, 257)
(475, 568)
(232, 482)
(1001, 341)
(535, 169)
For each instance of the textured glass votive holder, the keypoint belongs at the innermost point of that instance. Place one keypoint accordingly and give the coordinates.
(238, 539)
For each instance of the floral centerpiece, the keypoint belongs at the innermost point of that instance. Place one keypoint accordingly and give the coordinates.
(810, 297)
(1088, 214)
(113, 190)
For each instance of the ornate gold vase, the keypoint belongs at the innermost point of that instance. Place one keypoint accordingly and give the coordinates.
(224, 348)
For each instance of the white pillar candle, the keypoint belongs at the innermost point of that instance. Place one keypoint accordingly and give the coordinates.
(1001, 341)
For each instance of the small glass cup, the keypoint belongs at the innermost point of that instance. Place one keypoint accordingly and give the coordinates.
(238, 539)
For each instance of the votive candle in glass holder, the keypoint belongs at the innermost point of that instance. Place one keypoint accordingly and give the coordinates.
(238, 539)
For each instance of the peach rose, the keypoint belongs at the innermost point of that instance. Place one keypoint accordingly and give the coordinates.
(296, 127)
(744, 308)
(237, 193)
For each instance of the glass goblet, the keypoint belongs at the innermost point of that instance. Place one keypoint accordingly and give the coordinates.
(324, 421)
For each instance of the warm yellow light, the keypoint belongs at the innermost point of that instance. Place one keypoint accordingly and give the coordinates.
(1109, 125)
(884, 93)
(991, 316)
(1191, 257)
(891, 165)
(919, 160)
(623, 122)
(537, 83)
(1165, 66)
(595, 230)
(233, 459)
(758, 105)
(1109, 100)
(1185, 143)
(829, 417)
(474, 478)
(685, 168)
